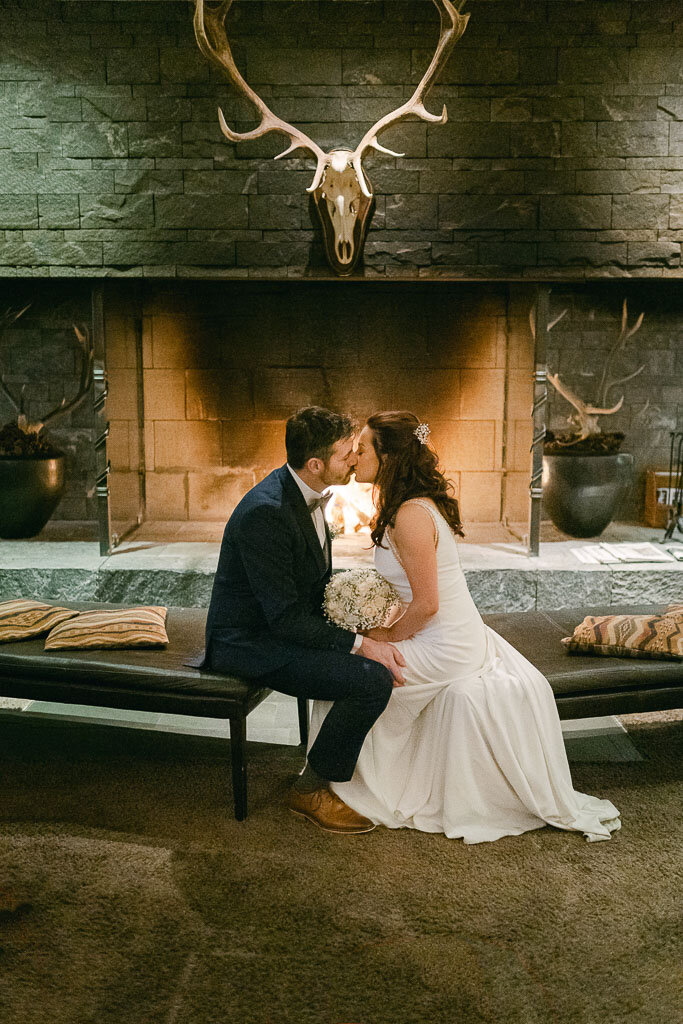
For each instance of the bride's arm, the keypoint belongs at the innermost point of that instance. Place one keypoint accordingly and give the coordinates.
(415, 538)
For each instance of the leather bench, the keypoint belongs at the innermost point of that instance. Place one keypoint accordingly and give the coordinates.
(143, 679)
(161, 681)
(588, 685)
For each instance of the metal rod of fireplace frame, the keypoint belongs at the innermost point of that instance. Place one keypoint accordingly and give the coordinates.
(100, 389)
(538, 414)
(142, 463)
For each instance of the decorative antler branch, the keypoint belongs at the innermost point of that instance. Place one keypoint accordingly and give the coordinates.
(9, 317)
(453, 24)
(64, 407)
(17, 404)
(626, 332)
(586, 415)
(532, 321)
(211, 35)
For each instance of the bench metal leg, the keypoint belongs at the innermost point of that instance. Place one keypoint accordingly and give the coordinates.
(302, 705)
(238, 753)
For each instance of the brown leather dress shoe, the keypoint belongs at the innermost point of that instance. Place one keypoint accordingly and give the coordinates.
(328, 812)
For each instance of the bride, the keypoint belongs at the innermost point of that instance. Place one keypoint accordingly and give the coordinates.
(471, 745)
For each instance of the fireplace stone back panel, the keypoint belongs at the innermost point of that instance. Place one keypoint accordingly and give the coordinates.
(225, 365)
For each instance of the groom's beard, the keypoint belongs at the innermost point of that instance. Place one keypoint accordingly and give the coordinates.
(340, 481)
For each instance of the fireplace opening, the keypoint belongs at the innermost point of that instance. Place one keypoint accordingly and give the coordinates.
(201, 377)
(224, 364)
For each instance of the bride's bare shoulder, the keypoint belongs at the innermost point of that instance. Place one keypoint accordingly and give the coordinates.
(413, 506)
(415, 514)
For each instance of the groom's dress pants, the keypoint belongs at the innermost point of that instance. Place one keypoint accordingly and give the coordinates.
(360, 689)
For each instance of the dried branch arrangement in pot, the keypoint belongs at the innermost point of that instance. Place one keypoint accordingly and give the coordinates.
(586, 435)
(23, 437)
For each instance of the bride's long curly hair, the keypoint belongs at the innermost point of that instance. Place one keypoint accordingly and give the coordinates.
(407, 469)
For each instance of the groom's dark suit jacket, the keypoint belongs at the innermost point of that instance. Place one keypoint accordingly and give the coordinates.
(266, 604)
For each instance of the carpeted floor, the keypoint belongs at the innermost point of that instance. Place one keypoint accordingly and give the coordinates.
(146, 903)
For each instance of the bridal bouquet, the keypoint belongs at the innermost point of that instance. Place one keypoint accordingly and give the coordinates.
(359, 599)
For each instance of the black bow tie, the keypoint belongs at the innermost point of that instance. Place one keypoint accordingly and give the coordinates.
(320, 502)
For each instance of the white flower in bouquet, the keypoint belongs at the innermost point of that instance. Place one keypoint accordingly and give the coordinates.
(360, 599)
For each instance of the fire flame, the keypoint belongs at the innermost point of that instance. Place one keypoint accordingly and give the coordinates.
(351, 508)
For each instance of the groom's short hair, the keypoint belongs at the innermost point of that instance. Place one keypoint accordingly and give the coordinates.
(312, 433)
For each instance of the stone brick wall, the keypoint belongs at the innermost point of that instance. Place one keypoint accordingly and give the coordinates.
(562, 157)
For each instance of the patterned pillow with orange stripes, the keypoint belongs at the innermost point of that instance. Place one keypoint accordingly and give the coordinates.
(631, 636)
(118, 628)
(20, 619)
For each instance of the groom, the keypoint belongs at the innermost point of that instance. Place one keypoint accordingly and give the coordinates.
(265, 619)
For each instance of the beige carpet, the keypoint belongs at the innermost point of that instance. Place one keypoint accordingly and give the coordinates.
(146, 902)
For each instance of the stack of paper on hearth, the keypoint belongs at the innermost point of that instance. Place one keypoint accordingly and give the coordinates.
(646, 552)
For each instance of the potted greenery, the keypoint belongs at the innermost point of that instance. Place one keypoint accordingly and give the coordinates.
(585, 476)
(32, 476)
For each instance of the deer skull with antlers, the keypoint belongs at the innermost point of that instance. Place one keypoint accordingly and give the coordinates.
(341, 188)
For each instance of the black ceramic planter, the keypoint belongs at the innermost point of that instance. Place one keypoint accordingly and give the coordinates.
(30, 490)
(581, 492)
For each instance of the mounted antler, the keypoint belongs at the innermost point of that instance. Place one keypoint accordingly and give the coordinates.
(211, 35)
(341, 188)
(453, 24)
(35, 426)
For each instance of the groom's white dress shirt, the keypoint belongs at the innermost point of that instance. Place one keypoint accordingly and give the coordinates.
(318, 517)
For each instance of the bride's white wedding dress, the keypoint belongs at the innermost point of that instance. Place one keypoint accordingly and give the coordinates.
(471, 746)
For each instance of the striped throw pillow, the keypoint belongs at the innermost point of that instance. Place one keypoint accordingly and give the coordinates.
(21, 619)
(631, 636)
(119, 628)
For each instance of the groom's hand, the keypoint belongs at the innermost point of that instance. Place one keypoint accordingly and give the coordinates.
(386, 654)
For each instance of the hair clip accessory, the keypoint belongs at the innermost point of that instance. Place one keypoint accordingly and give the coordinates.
(422, 432)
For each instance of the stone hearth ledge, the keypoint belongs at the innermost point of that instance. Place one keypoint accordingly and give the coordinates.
(500, 576)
